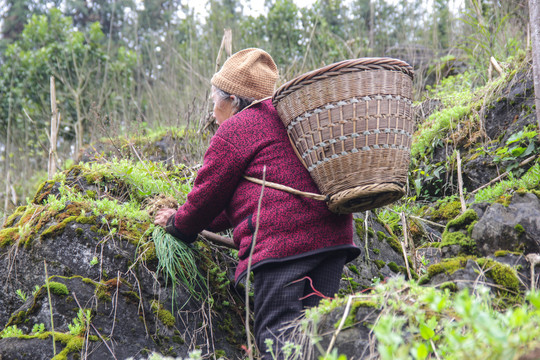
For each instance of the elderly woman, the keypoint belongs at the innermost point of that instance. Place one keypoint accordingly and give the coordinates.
(297, 237)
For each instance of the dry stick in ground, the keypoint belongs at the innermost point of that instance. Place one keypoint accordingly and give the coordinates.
(460, 183)
(55, 122)
(405, 241)
(250, 346)
(503, 175)
(434, 350)
(496, 65)
(366, 257)
(340, 326)
(534, 259)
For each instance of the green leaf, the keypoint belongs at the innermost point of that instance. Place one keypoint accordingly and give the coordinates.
(515, 137)
(426, 332)
(530, 149)
(422, 351)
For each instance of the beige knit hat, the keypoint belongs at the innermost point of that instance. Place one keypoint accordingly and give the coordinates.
(249, 73)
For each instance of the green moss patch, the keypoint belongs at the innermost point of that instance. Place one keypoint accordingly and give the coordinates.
(501, 274)
(58, 288)
(8, 236)
(165, 316)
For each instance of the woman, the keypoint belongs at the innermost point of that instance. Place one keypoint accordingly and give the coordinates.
(297, 236)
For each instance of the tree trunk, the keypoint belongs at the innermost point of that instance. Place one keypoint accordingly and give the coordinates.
(534, 16)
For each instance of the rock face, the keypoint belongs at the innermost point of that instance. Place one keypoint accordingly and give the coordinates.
(108, 299)
(515, 227)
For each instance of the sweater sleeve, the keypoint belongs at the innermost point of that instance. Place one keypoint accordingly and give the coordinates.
(214, 186)
(220, 223)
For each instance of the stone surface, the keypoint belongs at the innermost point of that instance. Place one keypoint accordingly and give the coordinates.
(515, 227)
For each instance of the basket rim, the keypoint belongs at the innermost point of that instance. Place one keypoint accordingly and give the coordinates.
(344, 66)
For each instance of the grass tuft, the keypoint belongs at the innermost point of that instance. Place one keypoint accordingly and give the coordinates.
(177, 264)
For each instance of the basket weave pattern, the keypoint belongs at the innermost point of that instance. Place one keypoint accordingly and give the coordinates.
(350, 124)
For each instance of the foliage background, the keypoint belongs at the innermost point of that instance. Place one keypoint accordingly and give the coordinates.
(126, 66)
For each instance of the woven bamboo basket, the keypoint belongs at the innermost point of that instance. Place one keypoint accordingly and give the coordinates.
(350, 124)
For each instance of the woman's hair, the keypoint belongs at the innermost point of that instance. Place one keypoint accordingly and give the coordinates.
(238, 102)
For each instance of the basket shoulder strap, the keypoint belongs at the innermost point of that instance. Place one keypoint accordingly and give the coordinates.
(287, 189)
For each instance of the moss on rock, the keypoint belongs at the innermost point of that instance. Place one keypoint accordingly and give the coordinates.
(58, 288)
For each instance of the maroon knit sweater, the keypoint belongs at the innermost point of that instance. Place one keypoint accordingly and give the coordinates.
(290, 226)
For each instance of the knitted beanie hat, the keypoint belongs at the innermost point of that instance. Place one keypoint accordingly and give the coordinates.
(248, 73)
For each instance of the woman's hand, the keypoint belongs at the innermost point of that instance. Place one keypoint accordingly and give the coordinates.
(163, 215)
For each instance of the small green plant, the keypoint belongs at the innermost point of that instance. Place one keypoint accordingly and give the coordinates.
(80, 323)
(290, 350)
(11, 331)
(36, 290)
(518, 146)
(334, 355)
(530, 180)
(22, 295)
(94, 261)
(38, 328)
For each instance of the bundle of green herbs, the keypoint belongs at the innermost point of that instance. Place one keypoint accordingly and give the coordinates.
(178, 264)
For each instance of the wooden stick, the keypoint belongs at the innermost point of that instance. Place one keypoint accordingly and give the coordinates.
(218, 239)
(460, 184)
(405, 241)
(51, 170)
(496, 65)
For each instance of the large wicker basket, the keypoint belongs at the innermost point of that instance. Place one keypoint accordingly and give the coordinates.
(350, 124)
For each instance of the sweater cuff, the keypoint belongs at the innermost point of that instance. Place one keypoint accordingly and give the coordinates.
(171, 229)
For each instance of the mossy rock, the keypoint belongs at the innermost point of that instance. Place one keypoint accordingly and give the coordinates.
(503, 276)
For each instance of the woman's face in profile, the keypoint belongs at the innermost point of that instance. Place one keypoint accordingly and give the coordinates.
(223, 108)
